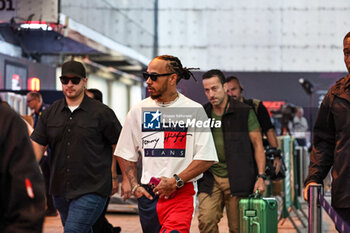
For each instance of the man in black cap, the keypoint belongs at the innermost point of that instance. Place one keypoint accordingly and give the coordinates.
(82, 134)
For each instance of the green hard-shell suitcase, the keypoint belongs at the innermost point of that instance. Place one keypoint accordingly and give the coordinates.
(258, 215)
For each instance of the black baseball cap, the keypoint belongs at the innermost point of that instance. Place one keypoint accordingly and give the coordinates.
(73, 68)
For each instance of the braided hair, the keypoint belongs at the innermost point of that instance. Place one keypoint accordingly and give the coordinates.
(174, 65)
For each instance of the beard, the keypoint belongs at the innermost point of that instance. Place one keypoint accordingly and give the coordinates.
(154, 97)
(73, 93)
(160, 92)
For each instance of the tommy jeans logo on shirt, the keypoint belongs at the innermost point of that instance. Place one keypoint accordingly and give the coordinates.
(152, 119)
(175, 119)
(166, 131)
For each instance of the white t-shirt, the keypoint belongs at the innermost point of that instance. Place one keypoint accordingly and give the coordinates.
(167, 144)
(299, 124)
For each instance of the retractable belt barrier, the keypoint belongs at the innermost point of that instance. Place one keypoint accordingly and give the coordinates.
(338, 221)
(317, 200)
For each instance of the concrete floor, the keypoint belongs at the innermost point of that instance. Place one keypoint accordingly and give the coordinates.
(130, 224)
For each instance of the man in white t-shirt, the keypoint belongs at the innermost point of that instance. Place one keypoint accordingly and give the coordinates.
(172, 134)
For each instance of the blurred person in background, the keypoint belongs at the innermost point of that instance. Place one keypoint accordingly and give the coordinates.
(331, 142)
(94, 94)
(102, 225)
(234, 89)
(299, 127)
(36, 104)
(22, 191)
(299, 123)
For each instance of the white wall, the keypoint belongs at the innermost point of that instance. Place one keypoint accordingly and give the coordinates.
(129, 22)
(119, 101)
(135, 94)
(241, 35)
(254, 35)
(100, 84)
(119, 93)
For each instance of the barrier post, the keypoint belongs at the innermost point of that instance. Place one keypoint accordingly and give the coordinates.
(315, 217)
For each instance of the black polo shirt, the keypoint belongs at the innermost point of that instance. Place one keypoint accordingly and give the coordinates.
(81, 143)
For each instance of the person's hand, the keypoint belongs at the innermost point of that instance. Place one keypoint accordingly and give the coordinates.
(141, 191)
(277, 164)
(306, 190)
(260, 185)
(114, 186)
(126, 189)
(165, 187)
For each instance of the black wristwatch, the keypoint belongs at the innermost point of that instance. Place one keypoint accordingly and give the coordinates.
(179, 182)
(262, 176)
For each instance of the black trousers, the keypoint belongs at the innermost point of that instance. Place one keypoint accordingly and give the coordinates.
(102, 225)
(45, 168)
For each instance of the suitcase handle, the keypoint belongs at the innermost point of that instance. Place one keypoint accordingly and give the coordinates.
(257, 226)
(252, 223)
(255, 195)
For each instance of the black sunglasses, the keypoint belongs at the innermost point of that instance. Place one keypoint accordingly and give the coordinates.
(154, 77)
(74, 80)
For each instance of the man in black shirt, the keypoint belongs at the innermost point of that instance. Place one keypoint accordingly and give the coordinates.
(234, 89)
(82, 134)
(22, 193)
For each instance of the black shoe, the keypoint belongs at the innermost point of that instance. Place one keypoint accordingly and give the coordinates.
(116, 229)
